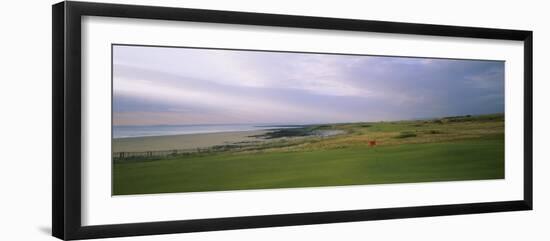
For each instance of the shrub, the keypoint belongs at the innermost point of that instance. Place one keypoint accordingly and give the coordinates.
(434, 132)
(406, 134)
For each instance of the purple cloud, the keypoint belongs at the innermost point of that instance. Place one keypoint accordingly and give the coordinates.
(154, 85)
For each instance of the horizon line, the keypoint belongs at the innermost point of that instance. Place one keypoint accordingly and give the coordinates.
(264, 124)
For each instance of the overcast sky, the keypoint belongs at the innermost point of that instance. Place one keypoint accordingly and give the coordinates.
(170, 86)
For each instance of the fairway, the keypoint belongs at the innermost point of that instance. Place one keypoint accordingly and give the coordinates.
(421, 158)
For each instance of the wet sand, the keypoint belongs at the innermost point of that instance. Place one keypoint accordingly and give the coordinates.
(187, 141)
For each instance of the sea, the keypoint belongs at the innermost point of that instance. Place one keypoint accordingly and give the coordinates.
(120, 131)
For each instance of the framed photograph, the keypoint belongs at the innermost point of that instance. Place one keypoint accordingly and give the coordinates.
(171, 120)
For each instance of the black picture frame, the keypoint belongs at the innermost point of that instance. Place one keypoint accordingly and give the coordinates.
(66, 158)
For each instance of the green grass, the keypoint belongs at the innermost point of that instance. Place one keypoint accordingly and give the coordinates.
(328, 162)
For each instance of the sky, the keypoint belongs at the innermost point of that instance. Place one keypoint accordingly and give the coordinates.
(182, 86)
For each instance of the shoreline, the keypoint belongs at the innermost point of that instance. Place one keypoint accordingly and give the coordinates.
(198, 133)
(185, 141)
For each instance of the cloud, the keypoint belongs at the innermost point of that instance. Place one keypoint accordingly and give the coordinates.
(153, 85)
(491, 78)
(324, 74)
(164, 93)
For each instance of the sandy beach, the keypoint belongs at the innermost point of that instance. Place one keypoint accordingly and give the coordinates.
(187, 141)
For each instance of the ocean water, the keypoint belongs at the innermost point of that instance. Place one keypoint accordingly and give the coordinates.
(166, 130)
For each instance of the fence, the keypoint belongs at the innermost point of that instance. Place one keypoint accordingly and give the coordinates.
(144, 155)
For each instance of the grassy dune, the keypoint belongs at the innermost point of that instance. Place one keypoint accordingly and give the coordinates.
(455, 148)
